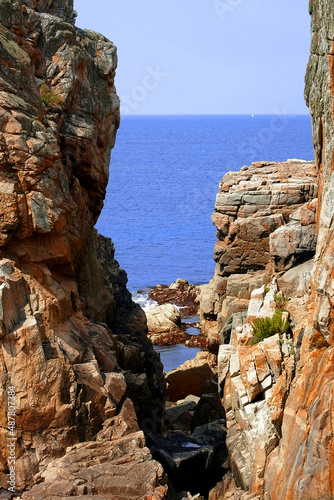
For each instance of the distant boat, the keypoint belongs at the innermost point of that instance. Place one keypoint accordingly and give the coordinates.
(252, 116)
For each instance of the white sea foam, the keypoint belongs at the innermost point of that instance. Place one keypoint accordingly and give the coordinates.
(190, 445)
(143, 300)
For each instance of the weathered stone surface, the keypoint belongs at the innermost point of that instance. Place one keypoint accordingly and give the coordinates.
(302, 465)
(251, 205)
(280, 393)
(260, 361)
(223, 362)
(121, 470)
(295, 282)
(292, 243)
(272, 350)
(234, 365)
(264, 195)
(295, 285)
(162, 319)
(223, 298)
(262, 303)
(207, 299)
(299, 461)
(191, 377)
(248, 372)
(180, 293)
(71, 341)
(227, 489)
(306, 443)
(251, 435)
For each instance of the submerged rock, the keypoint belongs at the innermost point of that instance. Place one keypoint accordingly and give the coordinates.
(180, 293)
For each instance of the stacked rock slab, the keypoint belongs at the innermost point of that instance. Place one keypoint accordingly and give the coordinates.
(72, 342)
(295, 460)
(265, 220)
(254, 380)
(302, 466)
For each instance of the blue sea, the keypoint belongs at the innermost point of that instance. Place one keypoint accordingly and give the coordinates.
(164, 176)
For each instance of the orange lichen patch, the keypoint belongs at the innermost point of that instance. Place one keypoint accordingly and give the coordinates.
(317, 341)
(81, 68)
(307, 423)
(331, 73)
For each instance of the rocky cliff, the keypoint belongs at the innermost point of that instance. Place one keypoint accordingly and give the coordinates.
(302, 466)
(73, 345)
(265, 221)
(278, 392)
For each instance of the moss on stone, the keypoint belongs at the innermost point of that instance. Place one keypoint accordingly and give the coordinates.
(49, 98)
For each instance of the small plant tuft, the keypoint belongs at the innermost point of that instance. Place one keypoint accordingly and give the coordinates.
(266, 289)
(49, 98)
(267, 327)
(280, 301)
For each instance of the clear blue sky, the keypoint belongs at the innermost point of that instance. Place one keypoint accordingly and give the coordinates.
(205, 56)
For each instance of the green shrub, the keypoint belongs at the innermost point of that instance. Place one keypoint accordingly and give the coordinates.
(49, 98)
(267, 327)
(280, 301)
(266, 289)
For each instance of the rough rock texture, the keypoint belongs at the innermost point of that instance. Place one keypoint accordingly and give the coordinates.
(265, 220)
(190, 378)
(248, 378)
(251, 205)
(180, 293)
(285, 449)
(163, 319)
(302, 466)
(119, 470)
(72, 342)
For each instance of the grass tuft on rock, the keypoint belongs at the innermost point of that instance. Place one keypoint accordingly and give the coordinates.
(264, 328)
(49, 98)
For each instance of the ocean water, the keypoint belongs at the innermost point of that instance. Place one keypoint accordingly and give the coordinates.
(164, 176)
(172, 356)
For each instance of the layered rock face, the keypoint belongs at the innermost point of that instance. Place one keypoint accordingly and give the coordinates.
(278, 394)
(73, 344)
(265, 220)
(266, 226)
(302, 466)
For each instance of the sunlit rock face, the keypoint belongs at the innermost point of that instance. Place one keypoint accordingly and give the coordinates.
(302, 466)
(265, 220)
(72, 342)
(280, 432)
